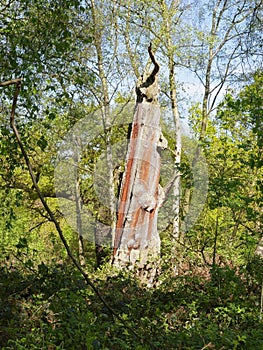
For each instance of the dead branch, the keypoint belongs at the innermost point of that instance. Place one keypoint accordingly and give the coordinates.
(147, 86)
(156, 65)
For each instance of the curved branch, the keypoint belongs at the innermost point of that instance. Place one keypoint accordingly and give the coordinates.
(147, 87)
(156, 65)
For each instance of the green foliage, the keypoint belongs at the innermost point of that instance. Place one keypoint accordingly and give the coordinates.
(230, 224)
(53, 308)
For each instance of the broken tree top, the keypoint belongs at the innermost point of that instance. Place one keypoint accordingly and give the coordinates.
(147, 88)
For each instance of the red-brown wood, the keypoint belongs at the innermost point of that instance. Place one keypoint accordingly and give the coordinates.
(136, 238)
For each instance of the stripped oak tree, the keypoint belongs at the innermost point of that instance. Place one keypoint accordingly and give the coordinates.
(136, 239)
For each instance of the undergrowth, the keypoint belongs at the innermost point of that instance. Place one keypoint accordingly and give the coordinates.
(52, 308)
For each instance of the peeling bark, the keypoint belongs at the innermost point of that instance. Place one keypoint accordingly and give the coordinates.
(136, 239)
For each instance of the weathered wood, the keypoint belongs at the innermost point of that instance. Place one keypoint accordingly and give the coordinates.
(136, 238)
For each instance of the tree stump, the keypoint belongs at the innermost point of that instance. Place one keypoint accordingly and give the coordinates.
(136, 239)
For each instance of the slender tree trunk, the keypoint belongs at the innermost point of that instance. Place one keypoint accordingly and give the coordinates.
(176, 118)
(205, 114)
(78, 203)
(178, 150)
(259, 249)
(105, 108)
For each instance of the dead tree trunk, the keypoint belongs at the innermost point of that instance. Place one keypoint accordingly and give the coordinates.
(136, 239)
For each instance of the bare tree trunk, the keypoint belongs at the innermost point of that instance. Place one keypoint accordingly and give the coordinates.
(178, 146)
(105, 102)
(78, 203)
(176, 182)
(259, 249)
(205, 105)
(137, 240)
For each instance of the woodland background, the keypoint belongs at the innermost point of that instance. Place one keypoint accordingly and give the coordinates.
(82, 58)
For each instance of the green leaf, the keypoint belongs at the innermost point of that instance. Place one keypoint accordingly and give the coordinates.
(42, 143)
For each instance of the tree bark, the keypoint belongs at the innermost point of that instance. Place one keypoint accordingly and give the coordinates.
(137, 240)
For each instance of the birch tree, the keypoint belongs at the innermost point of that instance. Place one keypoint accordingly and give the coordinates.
(220, 58)
(103, 93)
